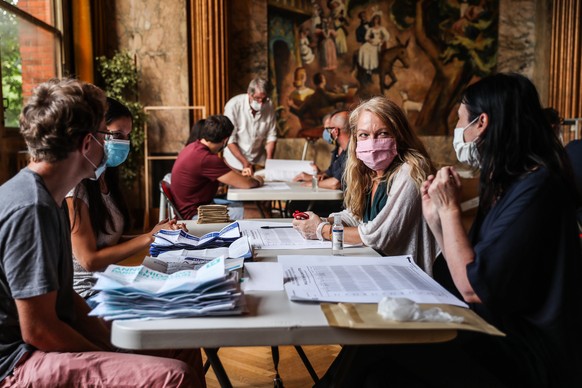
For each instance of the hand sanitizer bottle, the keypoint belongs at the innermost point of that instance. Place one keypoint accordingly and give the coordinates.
(337, 235)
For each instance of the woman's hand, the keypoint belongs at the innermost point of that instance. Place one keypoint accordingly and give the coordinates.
(429, 210)
(445, 189)
(168, 225)
(308, 227)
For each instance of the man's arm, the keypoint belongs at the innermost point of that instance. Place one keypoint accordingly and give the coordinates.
(270, 148)
(233, 147)
(238, 181)
(92, 328)
(329, 183)
(41, 327)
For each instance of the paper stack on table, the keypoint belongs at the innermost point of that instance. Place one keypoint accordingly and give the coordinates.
(178, 260)
(174, 240)
(360, 280)
(141, 293)
(211, 214)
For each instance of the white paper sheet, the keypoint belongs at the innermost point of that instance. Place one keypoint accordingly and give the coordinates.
(286, 169)
(360, 280)
(263, 277)
(279, 238)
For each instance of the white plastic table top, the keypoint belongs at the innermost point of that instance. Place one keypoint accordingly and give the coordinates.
(272, 320)
(296, 192)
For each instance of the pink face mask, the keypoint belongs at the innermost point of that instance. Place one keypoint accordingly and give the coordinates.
(377, 154)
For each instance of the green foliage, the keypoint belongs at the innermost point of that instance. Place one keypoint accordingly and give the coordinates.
(11, 68)
(120, 76)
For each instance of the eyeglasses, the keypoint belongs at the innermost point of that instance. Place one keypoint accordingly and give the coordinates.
(114, 135)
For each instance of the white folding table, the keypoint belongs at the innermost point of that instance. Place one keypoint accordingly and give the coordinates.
(272, 320)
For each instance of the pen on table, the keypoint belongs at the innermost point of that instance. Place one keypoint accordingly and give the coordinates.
(276, 227)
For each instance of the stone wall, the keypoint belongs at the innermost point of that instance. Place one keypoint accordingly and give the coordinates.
(156, 33)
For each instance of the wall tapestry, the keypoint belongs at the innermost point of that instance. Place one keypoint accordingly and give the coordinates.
(420, 54)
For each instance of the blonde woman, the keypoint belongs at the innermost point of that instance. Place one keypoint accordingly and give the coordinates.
(386, 166)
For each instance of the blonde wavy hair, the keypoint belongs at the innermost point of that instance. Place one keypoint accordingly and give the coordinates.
(358, 177)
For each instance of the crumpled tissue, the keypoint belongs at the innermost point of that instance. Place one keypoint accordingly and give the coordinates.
(404, 309)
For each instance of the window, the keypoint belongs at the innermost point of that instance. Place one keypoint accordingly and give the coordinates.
(30, 51)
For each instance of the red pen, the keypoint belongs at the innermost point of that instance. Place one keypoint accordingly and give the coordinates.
(300, 215)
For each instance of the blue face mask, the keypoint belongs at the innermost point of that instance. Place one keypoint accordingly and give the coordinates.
(100, 169)
(327, 136)
(117, 151)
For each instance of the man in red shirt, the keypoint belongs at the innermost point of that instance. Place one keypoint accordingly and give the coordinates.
(198, 170)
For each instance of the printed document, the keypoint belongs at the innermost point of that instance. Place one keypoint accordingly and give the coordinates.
(360, 280)
(277, 238)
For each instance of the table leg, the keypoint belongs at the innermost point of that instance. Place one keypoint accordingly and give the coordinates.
(221, 376)
(307, 364)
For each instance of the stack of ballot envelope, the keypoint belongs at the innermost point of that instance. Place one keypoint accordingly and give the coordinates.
(173, 240)
(177, 260)
(142, 293)
(210, 214)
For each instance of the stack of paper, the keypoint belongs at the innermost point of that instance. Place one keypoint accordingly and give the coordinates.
(173, 261)
(286, 169)
(360, 280)
(174, 240)
(141, 293)
(211, 214)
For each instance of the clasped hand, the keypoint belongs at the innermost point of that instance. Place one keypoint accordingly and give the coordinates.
(308, 227)
(440, 192)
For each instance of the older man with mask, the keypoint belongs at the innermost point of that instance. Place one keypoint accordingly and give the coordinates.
(255, 135)
(336, 131)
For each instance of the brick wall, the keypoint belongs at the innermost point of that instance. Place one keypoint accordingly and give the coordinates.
(37, 47)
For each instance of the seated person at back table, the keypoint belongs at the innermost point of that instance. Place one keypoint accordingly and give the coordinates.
(195, 131)
(98, 212)
(198, 170)
(47, 338)
(336, 131)
(386, 165)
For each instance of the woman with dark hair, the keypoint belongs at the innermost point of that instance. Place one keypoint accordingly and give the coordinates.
(519, 266)
(98, 212)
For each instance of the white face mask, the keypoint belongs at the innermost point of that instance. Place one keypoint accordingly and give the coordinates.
(466, 152)
(256, 106)
(100, 169)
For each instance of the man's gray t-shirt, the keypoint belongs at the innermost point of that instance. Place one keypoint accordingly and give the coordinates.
(35, 258)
